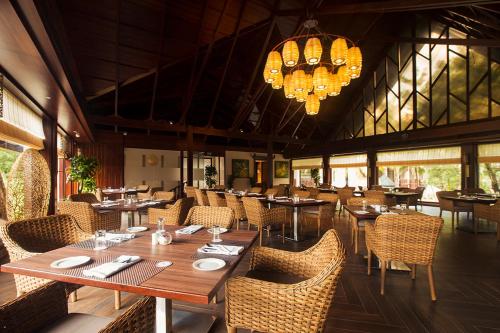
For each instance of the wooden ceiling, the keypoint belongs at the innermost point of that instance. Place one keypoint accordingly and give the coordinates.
(191, 70)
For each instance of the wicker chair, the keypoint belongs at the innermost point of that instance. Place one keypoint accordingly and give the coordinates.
(489, 213)
(190, 193)
(325, 212)
(358, 225)
(26, 238)
(201, 198)
(164, 195)
(46, 309)
(219, 187)
(83, 197)
(273, 190)
(3, 210)
(474, 190)
(255, 190)
(173, 214)
(88, 218)
(215, 200)
(375, 194)
(344, 194)
(302, 194)
(263, 217)
(313, 192)
(408, 238)
(451, 206)
(210, 216)
(266, 306)
(237, 206)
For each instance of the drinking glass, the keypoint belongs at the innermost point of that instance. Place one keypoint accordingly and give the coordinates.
(459, 194)
(270, 196)
(100, 240)
(404, 208)
(161, 225)
(165, 238)
(296, 198)
(216, 234)
(106, 198)
(365, 204)
(383, 208)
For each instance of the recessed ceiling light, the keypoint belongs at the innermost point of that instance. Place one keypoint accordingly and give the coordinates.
(125, 133)
(171, 122)
(241, 130)
(77, 135)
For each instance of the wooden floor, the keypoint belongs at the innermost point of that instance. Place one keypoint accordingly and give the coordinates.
(467, 273)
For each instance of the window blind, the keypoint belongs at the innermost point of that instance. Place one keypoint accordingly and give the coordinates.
(307, 163)
(445, 155)
(489, 153)
(348, 161)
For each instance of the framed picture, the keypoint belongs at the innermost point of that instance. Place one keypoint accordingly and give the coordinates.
(241, 168)
(281, 169)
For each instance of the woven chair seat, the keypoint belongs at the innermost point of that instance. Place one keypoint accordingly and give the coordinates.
(274, 277)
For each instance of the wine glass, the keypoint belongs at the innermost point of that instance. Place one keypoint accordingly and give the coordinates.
(216, 234)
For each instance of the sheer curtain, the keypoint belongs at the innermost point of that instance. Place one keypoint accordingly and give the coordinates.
(444, 155)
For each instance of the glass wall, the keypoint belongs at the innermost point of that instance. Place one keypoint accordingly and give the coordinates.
(306, 171)
(349, 170)
(489, 167)
(438, 169)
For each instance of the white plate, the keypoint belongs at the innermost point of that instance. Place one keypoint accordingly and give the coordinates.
(222, 230)
(70, 262)
(137, 229)
(209, 264)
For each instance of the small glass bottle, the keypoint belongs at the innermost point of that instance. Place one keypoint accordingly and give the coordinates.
(160, 225)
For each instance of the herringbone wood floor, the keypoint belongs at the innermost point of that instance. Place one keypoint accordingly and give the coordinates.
(467, 273)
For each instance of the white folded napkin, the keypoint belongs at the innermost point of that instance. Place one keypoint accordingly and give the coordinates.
(229, 250)
(189, 229)
(361, 212)
(118, 238)
(280, 197)
(389, 213)
(253, 193)
(282, 200)
(107, 269)
(317, 200)
(308, 199)
(111, 204)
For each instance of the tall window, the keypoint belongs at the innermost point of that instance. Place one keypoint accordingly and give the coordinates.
(349, 170)
(8, 155)
(305, 170)
(438, 169)
(489, 167)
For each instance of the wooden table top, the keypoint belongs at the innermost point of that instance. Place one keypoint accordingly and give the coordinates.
(301, 203)
(108, 191)
(471, 199)
(372, 213)
(401, 194)
(179, 281)
(134, 206)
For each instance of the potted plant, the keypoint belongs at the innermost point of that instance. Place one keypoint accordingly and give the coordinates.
(315, 176)
(210, 173)
(82, 170)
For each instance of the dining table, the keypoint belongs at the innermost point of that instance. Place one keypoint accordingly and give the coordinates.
(180, 281)
(296, 207)
(401, 197)
(119, 191)
(468, 226)
(130, 208)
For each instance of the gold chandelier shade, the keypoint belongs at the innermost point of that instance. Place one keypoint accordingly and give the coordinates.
(335, 86)
(355, 73)
(313, 50)
(299, 80)
(354, 58)
(320, 78)
(278, 81)
(322, 94)
(288, 87)
(312, 104)
(309, 83)
(268, 76)
(301, 95)
(274, 62)
(338, 51)
(290, 53)
(344, 76)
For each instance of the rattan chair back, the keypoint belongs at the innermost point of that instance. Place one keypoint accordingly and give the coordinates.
(3, 209)
(358, 201)
(89, 219)
(83, 197)
(255, 189)
(236, 205)
(201, 198)
(344, 194)
(173, 215)
(255, 211)
(164, 195)
(445, 204)
(215, 200)
(272, 191)
(302, 194)
(209, 216)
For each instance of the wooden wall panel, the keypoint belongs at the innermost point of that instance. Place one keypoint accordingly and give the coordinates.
(110, 158)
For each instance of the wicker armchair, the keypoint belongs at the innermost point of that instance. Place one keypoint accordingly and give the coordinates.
(201, 198)
(299, 307)
(489, 213)
(344, 194)
(263, 217)
(255, 190)
(313, 192)
(451, 206)
(209, 216)
(46, 308)
(376, 194)
(408, 238)
(215, 200)
(88, 218)
(83, 197)
(358, 225)
(325, 212)
(173, 214)
(190, 193)
(302, 194)
(26, 238)
(164, 195)
(237, 206)
(273, 190)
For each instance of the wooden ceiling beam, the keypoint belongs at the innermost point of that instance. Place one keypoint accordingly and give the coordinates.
(382, 7)
(484, 20)
(263, 111)
(282, 126)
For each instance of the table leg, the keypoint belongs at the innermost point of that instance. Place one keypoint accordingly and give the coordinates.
(131, 221)
(295, 226)
(163, 315)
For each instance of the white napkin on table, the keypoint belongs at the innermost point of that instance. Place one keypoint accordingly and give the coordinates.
(230, 250)
(107, 269)
(118, 238)
(361, 212)
(189, 229)
(307, 199)
(280, 198)
(110, 204)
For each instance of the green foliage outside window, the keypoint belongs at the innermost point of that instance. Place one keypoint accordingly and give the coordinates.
(83, 170)
(7, 159)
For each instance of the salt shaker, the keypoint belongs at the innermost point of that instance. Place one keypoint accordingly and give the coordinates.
(154, 238)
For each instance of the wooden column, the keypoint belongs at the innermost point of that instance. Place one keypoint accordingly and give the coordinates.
(181, 174)
(372, 167)
(50, 154)
(327, 175)
(469, 166)
(270, 166)
(190, 168)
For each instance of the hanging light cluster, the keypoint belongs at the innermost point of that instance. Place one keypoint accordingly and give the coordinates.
(312, 76)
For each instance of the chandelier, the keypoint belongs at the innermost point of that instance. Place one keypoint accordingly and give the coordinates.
(313, 75)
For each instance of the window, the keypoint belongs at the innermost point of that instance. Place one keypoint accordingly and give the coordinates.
(349, 170)
(8, 155)
(305, 169)
(489, 167)
(438, 169)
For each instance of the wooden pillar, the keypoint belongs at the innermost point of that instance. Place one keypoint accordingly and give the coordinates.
(469, 166)
(270, 166)
(181, 174)
(50, 154)
(190, 168)
(372, 167)
(327, 175)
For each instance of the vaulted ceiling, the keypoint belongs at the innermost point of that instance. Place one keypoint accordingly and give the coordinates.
(171, 68)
